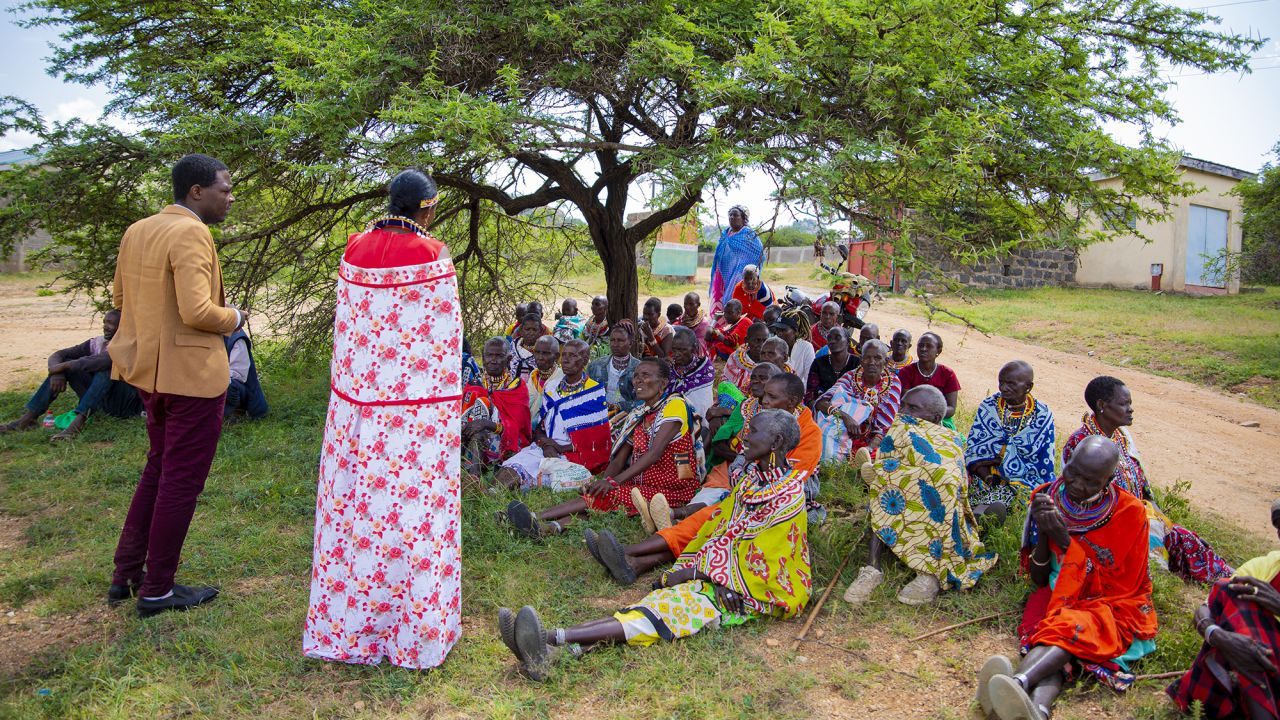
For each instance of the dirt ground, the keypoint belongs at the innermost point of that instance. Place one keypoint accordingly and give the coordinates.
(33, 327)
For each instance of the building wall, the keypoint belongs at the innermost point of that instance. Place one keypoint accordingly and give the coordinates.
(1126, 261)
(1019, 269)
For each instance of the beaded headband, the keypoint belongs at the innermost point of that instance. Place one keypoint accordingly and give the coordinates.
(429, 202)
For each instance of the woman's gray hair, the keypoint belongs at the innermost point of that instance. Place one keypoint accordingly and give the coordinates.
(778, 422)
(934, 402)
(875, 342)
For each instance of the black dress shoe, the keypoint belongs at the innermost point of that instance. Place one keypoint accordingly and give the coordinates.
(117, 594)
(183, 598)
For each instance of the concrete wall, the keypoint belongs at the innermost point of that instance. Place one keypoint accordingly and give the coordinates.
(776, 256)
(20, 259)
(1126, 261)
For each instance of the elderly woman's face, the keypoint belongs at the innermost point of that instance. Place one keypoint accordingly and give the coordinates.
(1015, 383)
(496, 359)
(545, 354)
(530, 331)
(599, 306)
(759, 443)
(776, 397)
(648, 383)
(759, 376)
(681, 350)
(775, 353)
(736, 221)
(873, 362)
(830, 315)
(751, 283)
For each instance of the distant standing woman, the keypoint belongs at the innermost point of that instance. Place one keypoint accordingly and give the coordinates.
(385, 566)
(739, 247)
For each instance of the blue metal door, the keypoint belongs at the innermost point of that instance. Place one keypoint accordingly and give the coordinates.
(1206, 240)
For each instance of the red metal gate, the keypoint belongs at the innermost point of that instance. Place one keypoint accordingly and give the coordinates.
(874, 260)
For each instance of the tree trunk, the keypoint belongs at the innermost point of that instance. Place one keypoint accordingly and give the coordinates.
(623, 286)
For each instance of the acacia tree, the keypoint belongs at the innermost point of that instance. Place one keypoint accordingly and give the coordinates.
(982, 118)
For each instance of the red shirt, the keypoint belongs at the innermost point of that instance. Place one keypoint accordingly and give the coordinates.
(943, 378)
(818, 336)
(729, 338)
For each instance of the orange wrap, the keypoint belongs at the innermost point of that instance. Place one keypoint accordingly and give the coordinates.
(1100, 605)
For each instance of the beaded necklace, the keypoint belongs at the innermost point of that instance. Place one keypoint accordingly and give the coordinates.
(931, 372)
(491, 385)
(1082, 518)
(567, 388)
(1013, 420)
(872, 394)
(397, 221)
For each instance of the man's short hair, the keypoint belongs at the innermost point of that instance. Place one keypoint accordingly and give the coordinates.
(194, 169)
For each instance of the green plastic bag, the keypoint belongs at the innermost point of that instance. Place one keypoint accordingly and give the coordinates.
(63, 421)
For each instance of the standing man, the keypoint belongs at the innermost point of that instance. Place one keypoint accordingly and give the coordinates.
(169, 284)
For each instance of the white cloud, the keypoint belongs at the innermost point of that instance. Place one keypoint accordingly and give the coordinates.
(81, 108)
(17, 140)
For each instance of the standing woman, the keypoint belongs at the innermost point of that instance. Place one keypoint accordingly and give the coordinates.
(385, 567)
(739, 247)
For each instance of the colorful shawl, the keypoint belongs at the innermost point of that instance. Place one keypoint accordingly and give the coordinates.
(1021, 446)
(584, 417)
(1098, 602)
(920, 505)
(568, 327)
(510, 397)
(737, 369)
(756, 542)
(694, 382)
(1129, 474)
(883, 398)
(753, 304)
(734, 252)
(634, 420)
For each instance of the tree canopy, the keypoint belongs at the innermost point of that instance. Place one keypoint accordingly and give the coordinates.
(972, 123)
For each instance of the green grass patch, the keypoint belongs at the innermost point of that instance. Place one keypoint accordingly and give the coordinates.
(241, 656)
(1231, 342)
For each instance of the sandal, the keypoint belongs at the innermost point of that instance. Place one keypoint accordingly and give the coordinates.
(642, 507)
(507, 629)
(660, 511)
(615, 558)
(592, 541)
(531, 644)
(995, 665)
(523, 520)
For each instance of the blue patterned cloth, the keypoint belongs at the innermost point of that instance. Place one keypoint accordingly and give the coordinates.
(734, 252)
(1025, 460)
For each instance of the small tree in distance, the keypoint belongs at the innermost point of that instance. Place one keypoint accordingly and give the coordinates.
(982, 118)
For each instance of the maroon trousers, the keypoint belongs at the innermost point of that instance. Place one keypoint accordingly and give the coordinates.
(184, 435)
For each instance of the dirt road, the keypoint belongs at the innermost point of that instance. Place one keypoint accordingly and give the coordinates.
(1184, 431)
(32, 327)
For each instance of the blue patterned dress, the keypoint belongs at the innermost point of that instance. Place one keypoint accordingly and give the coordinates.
(1021, 447)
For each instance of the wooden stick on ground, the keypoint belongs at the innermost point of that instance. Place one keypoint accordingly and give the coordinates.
(948, 628)
(813, 614)
(1161, 676)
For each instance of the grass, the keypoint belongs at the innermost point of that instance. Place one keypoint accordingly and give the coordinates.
(252, 535)
(1230, 342)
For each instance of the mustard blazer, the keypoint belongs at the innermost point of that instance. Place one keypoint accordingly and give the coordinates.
(168, 286)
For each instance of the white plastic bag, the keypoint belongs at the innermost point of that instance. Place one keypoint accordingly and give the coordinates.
(561, 475)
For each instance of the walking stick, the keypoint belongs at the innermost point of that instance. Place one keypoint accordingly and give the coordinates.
(813, 614)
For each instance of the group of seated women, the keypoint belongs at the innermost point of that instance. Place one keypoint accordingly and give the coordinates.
(721, 476)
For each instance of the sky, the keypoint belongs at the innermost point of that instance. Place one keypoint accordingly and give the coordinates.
(1228, 118)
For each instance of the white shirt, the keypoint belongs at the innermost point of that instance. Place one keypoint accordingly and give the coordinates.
(802, 359)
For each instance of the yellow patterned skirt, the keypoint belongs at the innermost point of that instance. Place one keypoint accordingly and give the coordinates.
(675, 612)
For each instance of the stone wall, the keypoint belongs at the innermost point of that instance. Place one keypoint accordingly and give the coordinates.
(1019, 269)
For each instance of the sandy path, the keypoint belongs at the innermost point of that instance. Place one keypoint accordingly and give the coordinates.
(1184, 431)
(33, 327)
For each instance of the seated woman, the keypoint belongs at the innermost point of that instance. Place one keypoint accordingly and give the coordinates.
(774, 350)
(523, 360)
(1173, 547)
(737, 369)
(1235, 675)
(655, 331)
(614, 372)
(926, 370)
(783, 391)
(1010, 446)
(750, 560)
(670, 540)
(831, 366)
(729, 331)
(1084, 545)
(655, 453)
(692, 374)
(919, 505)
(495, 412)
(572, 423)
(858, 410)
(729, 417)
(754, 295)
